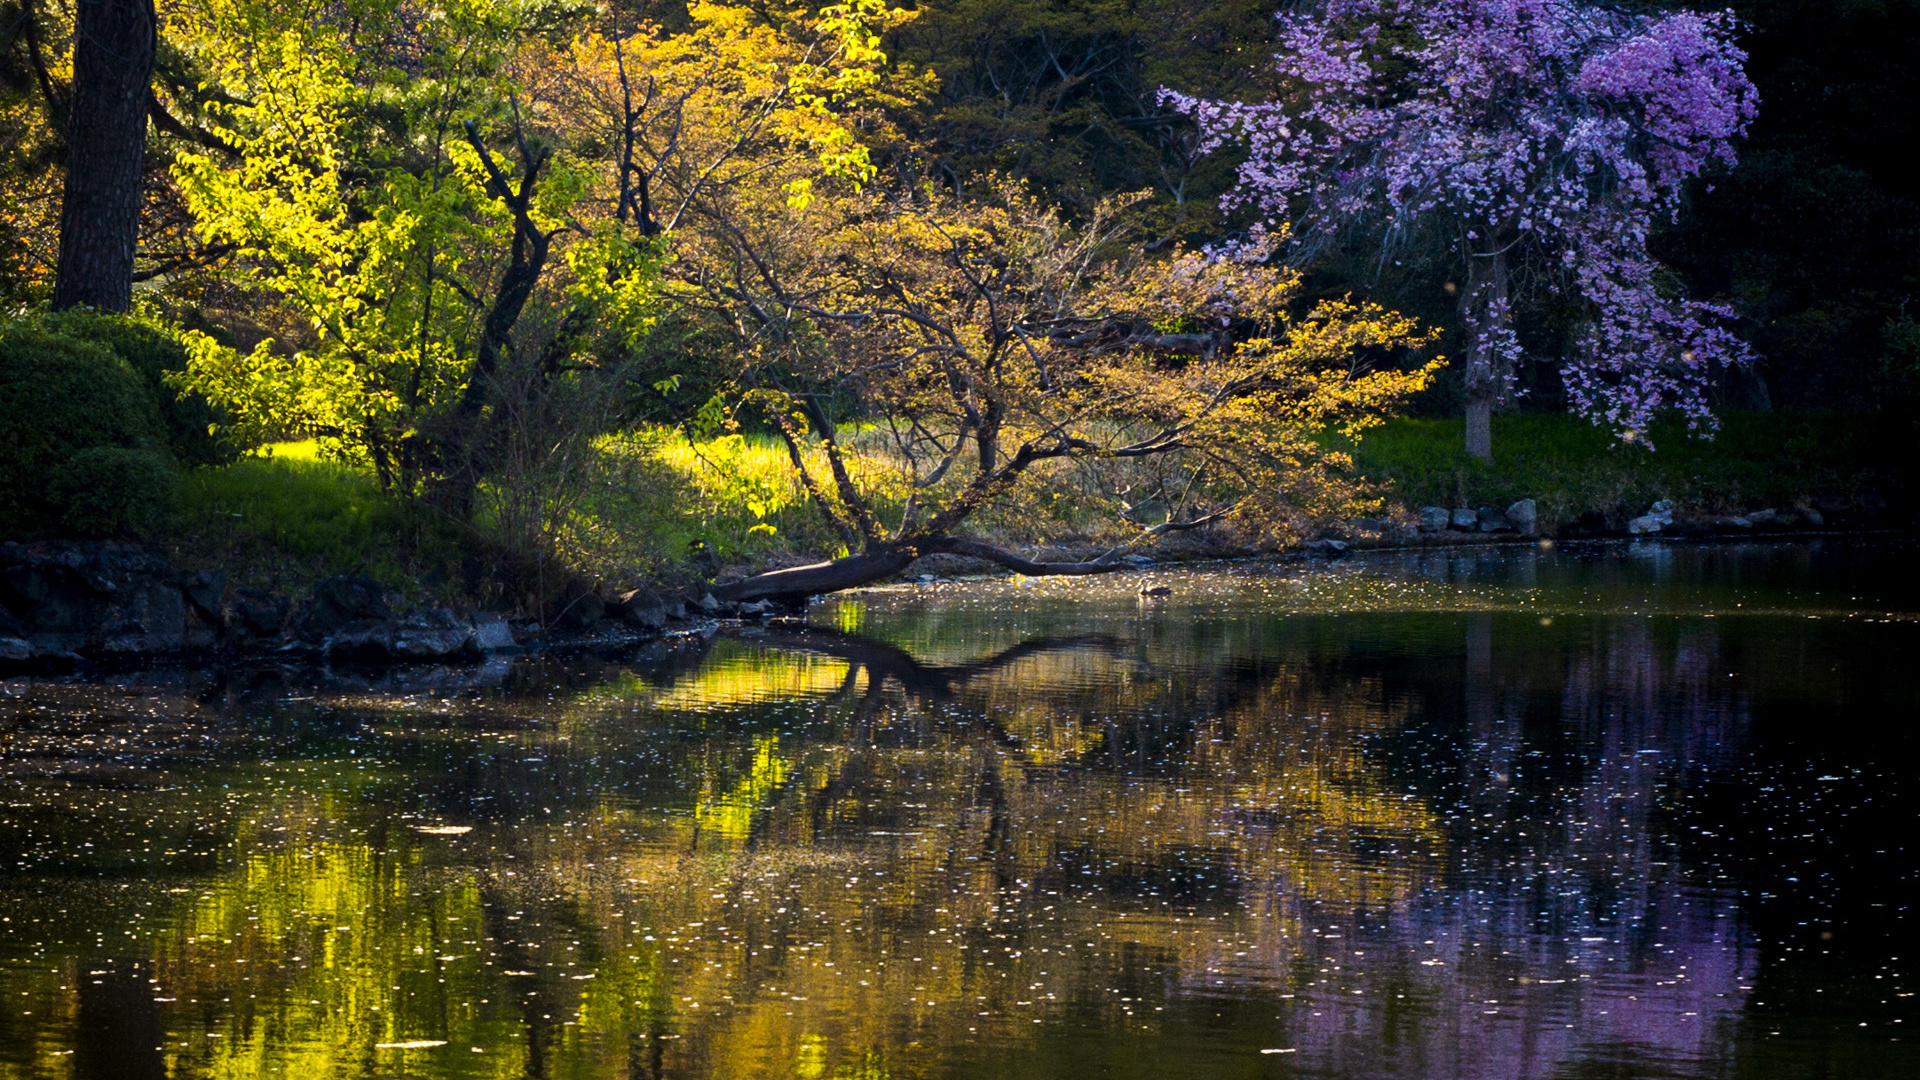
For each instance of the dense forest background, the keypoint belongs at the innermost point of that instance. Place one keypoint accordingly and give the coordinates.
(1814, 236)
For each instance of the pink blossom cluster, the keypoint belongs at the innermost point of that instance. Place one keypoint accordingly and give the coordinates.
(1552, 132)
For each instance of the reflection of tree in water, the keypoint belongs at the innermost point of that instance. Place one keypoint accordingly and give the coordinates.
(1553, 766)
(815, 855)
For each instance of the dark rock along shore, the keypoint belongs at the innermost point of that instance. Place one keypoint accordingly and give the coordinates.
(103, 601)
(63, 602)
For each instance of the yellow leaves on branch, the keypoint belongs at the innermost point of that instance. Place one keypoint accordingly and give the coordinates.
(987, 339)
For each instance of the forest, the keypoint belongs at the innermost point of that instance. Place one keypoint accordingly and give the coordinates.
(520, 302)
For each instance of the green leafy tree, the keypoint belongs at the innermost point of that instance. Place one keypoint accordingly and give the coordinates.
(468, 234)
(1062, 95)
(371, 201)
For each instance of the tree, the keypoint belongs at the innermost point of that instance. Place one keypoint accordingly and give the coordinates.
(383, 179)
(463, 209)
(1545, 137)
(1815, 235)
(106, 145)
(984, 343)
(1062, 95)
(986, 340)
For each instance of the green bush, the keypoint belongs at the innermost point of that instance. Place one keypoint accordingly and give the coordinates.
(193, 428)
(59, 397)
(113, 490)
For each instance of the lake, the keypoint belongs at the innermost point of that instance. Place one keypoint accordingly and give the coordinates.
(1612, 810)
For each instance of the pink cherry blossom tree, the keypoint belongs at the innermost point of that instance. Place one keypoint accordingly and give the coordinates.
(1544, 137)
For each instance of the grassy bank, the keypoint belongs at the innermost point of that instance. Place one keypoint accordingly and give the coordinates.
(663, 504)
(651, 505)
(282, 518)
(658, 507)
(1776, 459)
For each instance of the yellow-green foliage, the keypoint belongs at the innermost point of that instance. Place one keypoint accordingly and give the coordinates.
(993, 347)
(362, 198)
(383, 268)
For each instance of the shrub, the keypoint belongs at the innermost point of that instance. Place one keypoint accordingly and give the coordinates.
(111, 490)
(195, 431)
(60, 396)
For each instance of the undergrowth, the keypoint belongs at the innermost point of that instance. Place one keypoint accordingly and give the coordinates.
(661, 508)
(283, 518)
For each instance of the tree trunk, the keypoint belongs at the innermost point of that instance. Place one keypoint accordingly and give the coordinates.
(467, 444)
(878, 564)
(800, 582)
(1479, 424)
(1484, 315)
(106, 150)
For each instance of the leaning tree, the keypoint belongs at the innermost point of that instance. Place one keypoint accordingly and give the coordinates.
(984, 344)
(1544, 137)
(924, 355)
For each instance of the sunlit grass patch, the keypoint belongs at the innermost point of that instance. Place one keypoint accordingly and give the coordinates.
(285, 516)
(661, 505)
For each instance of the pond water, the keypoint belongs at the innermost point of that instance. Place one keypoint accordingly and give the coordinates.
(1640, 810)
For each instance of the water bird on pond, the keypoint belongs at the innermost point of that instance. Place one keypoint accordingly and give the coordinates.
(1155, 590)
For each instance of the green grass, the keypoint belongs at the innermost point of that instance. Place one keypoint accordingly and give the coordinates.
(285, 517)
(1571, 467)
(282, 521)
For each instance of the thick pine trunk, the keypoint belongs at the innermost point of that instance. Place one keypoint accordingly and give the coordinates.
(106, 151)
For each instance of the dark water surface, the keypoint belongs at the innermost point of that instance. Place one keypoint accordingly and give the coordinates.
(1611, 811)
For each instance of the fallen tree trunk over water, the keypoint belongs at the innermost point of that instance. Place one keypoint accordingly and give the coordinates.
(815, 579)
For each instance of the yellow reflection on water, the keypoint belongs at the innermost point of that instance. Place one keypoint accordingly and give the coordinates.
(859, 907)
(741, 675)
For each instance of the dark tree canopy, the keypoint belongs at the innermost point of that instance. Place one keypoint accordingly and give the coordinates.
(1815, 236)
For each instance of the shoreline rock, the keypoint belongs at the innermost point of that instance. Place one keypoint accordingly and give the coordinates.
(65, 603)
(1524, 516)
